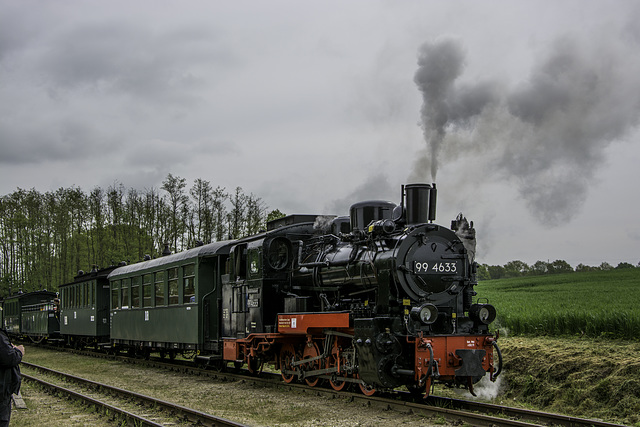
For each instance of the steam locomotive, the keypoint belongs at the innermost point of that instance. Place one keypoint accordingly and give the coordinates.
(379, 299)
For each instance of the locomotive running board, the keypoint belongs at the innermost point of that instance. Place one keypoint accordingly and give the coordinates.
(302, 323)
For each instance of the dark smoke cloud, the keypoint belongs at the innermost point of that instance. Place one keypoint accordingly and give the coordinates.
(446, 106)
(547, 134)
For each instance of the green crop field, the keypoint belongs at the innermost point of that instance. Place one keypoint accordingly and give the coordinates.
(593, 304)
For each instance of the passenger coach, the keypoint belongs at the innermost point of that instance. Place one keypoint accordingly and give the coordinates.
(169, 304)
(84, 311)
(32, 315)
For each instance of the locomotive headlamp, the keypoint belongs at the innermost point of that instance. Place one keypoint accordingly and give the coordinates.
(483, 313)
(426, 313)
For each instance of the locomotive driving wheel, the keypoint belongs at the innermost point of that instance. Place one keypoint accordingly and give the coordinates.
(287, 357)
(311, 351)
(337, 382)
(367, 390)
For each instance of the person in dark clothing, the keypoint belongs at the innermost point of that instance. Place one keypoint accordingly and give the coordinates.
(10, 358)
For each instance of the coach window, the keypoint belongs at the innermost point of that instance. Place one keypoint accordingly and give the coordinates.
(135, 291)
(92, 293)
(173, 285)
(115, 291)
(125, 293)
(159, 288)
(146, 290)
(85, 294)
(189, 284)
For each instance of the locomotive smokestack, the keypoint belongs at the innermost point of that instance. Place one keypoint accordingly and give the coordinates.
(433, 197)
(419, 199)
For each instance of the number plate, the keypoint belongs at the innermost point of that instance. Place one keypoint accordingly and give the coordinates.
(442, 267)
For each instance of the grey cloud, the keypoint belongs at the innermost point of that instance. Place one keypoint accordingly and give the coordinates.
(122, 59)
(67, 140)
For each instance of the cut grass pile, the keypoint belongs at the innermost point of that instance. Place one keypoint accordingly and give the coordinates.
(588, 378)
(592, 304)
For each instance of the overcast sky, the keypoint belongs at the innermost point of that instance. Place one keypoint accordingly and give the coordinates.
(525, 113)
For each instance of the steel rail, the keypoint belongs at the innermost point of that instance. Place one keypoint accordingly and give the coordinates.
(177, 411)
(102, 407)
(545, 418)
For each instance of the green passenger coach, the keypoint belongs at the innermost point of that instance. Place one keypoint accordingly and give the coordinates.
(169, 304)
(84, 311)
(32, 315)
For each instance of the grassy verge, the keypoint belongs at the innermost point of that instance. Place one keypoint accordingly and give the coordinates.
(586, 378)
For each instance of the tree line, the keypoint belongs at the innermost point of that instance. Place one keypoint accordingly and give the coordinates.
(46, 238)
(520, 268)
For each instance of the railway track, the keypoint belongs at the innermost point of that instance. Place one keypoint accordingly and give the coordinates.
(123, 405)
(455, 410)
(472, 412)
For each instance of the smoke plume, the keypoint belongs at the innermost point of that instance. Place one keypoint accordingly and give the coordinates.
(545, 134)
(446, 106)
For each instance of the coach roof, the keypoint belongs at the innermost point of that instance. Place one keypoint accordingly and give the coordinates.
(212, 249)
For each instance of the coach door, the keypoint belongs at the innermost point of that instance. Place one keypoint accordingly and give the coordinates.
(239, 292)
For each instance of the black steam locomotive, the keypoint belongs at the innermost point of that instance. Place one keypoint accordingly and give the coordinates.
(379, 299)
(382, 298)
